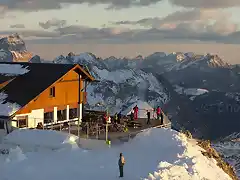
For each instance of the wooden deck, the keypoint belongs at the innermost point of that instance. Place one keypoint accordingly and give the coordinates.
(123, 136)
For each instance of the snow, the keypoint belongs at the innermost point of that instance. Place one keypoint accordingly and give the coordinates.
(2, 52)
(7, 109)
(86, 56)
(142, 106)
(190, 91)
(153, 154)
(13, 69)
(39, 139)
(119, 76)
(195, 92)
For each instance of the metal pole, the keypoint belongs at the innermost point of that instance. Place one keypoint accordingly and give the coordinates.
(69, 127)
(97, 131)
(78, 128)
(87, 129)
(106, 131)
(107, 126)
(79, 101)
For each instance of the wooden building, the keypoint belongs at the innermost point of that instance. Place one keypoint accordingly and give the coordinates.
(32, 93)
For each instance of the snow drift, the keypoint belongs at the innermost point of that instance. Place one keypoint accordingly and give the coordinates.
(153, 154)
(38, 140)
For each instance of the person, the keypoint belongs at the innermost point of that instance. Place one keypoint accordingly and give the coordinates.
(40, 126)
(119, 117)
(161, 116)
(121, 163)
(158, 112)
(148, 117)
(132, 115)
(105, 118)
(135, 109)
(115, 118)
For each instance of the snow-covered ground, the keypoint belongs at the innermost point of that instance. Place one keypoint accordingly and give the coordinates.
(153, 154)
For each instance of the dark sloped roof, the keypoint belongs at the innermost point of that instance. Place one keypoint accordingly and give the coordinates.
(26, 87)
(4, 78)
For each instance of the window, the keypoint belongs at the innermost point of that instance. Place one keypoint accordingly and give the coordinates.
(52, 92)
(62, 115)
(73, 113)
(22, 121)
(48, 117)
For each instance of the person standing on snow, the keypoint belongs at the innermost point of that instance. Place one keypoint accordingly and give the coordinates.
(148, 117)
(135, 109)
(121, 163)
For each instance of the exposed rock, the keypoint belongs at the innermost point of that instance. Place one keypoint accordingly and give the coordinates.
(16, 46)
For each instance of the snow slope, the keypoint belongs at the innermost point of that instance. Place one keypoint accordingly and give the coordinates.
(152, 155)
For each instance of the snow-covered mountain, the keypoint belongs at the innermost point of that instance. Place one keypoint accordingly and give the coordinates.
(199, 92)
(118, 88)
(12, 48)
(194, 80)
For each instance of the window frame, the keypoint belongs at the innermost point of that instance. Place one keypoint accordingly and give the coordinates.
(52, 92)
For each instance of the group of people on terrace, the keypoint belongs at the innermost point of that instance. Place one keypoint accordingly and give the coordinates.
(156, 113)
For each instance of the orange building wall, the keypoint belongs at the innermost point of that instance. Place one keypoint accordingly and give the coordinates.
(66, 93)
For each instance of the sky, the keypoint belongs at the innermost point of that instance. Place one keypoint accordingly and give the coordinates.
(122, 22)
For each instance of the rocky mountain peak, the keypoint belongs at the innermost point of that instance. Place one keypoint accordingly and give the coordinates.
(15, 45)
(216, 61)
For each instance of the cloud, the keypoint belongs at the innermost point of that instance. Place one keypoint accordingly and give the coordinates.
(43, 34)
(84, 32)
(17, 26)
(167, 31)
(181, 33)
(30, 5)
(197, 20)
(32, 33)
(52, 23)
(33, 5)
(212, 4)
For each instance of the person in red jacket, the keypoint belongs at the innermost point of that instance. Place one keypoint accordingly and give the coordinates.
(105, 118)
(135, 109)
(159, 111)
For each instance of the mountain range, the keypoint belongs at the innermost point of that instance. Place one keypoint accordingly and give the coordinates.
(200, 93)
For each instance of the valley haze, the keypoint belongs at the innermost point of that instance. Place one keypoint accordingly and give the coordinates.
(228, 52)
